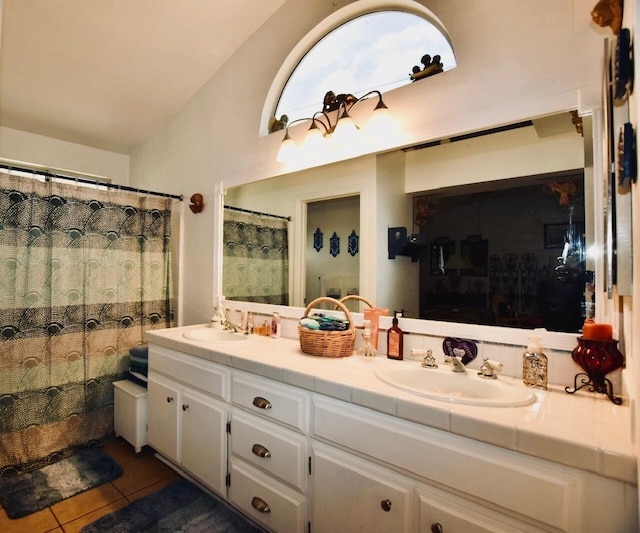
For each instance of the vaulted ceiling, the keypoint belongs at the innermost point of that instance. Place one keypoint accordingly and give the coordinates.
(107, 73)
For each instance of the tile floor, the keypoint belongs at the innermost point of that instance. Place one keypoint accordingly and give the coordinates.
(142, 475)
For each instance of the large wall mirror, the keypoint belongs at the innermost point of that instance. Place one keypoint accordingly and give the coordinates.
(508, 214)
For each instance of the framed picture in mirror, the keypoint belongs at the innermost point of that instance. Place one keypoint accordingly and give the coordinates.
(554, 235)
(441, 249)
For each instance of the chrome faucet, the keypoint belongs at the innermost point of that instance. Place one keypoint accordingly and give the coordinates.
(227, 325)
(455, 364)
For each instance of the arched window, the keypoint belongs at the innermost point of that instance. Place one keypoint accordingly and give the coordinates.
(380, 50)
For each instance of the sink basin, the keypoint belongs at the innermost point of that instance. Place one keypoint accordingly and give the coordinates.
(447, 386)
(213, 335)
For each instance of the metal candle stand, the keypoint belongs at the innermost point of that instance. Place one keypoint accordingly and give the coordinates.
(597, 358)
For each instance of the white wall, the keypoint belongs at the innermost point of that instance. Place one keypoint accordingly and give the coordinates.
(504, 155)
(51, 153)
(630, 328)
(398, 279)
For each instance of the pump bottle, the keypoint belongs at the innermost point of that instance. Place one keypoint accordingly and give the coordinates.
(534, 364)
(395, 340)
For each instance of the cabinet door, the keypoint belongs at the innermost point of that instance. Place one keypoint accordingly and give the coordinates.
(350, 494)
(204, 439)
(164, 400)
(442, 512)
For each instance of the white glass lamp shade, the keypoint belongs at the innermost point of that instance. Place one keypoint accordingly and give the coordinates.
(289, 150)
(346, 132)
(381, 125)
(314, 144)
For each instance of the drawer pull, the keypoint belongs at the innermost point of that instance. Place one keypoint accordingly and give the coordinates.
(185, 406)
(260, 450)
(386, 505)
(436, 528)
(260, 505)
(169, 399)
(261, 403)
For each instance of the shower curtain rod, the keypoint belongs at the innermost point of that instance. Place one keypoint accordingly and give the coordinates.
(256, 212)
(89, 181)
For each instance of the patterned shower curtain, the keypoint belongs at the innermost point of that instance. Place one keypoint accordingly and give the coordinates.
(84, 272)
(256, 258)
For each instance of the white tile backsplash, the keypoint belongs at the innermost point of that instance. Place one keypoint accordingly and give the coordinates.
(562, 369)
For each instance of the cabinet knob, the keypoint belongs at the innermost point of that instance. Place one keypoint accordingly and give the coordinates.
(436, 528)
(386, 505)
(261, 403)
(169, 399)
(260, 505)
(260, 450)
(185, 406)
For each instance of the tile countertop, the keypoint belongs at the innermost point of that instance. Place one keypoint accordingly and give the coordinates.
(582, 431)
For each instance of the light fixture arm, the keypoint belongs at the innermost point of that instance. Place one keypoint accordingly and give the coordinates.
(328, 128)
(379, 105)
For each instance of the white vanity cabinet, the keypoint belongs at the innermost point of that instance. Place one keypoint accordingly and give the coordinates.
(268, 452)
(456, 482)
(298, 461)
(351, 494)
(186, 425)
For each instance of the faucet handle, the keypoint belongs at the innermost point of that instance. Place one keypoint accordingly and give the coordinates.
(489, 368)
(429, 360)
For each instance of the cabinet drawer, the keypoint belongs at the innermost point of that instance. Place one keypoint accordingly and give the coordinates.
(531, 487)
(204, 375)
(265, 500)
(278, 451)
(457, 515)
(271, 400)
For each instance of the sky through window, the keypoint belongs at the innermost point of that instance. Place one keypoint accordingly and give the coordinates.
(373, 51)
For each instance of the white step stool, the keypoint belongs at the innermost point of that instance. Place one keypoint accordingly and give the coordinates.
(130, 412)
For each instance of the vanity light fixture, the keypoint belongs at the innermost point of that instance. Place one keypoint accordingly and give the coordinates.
(342, 133)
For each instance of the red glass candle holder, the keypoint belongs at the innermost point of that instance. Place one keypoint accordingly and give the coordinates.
(597, 357)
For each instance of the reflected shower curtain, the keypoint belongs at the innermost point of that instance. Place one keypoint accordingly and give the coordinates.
(256, 258)
(83, 274)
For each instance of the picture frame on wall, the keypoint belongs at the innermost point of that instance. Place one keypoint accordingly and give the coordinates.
(555, 234)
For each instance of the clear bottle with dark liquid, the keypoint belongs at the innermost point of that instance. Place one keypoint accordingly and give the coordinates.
(395, 348)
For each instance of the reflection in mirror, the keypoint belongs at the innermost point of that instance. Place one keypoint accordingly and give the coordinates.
(333, 271)
(525, 278)
(506, 253)
(255, 256)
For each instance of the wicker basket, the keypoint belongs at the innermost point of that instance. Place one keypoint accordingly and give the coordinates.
(356, 297)
(327, 343)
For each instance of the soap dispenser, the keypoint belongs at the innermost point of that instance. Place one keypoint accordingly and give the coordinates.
(395, 339)
(534, 364)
